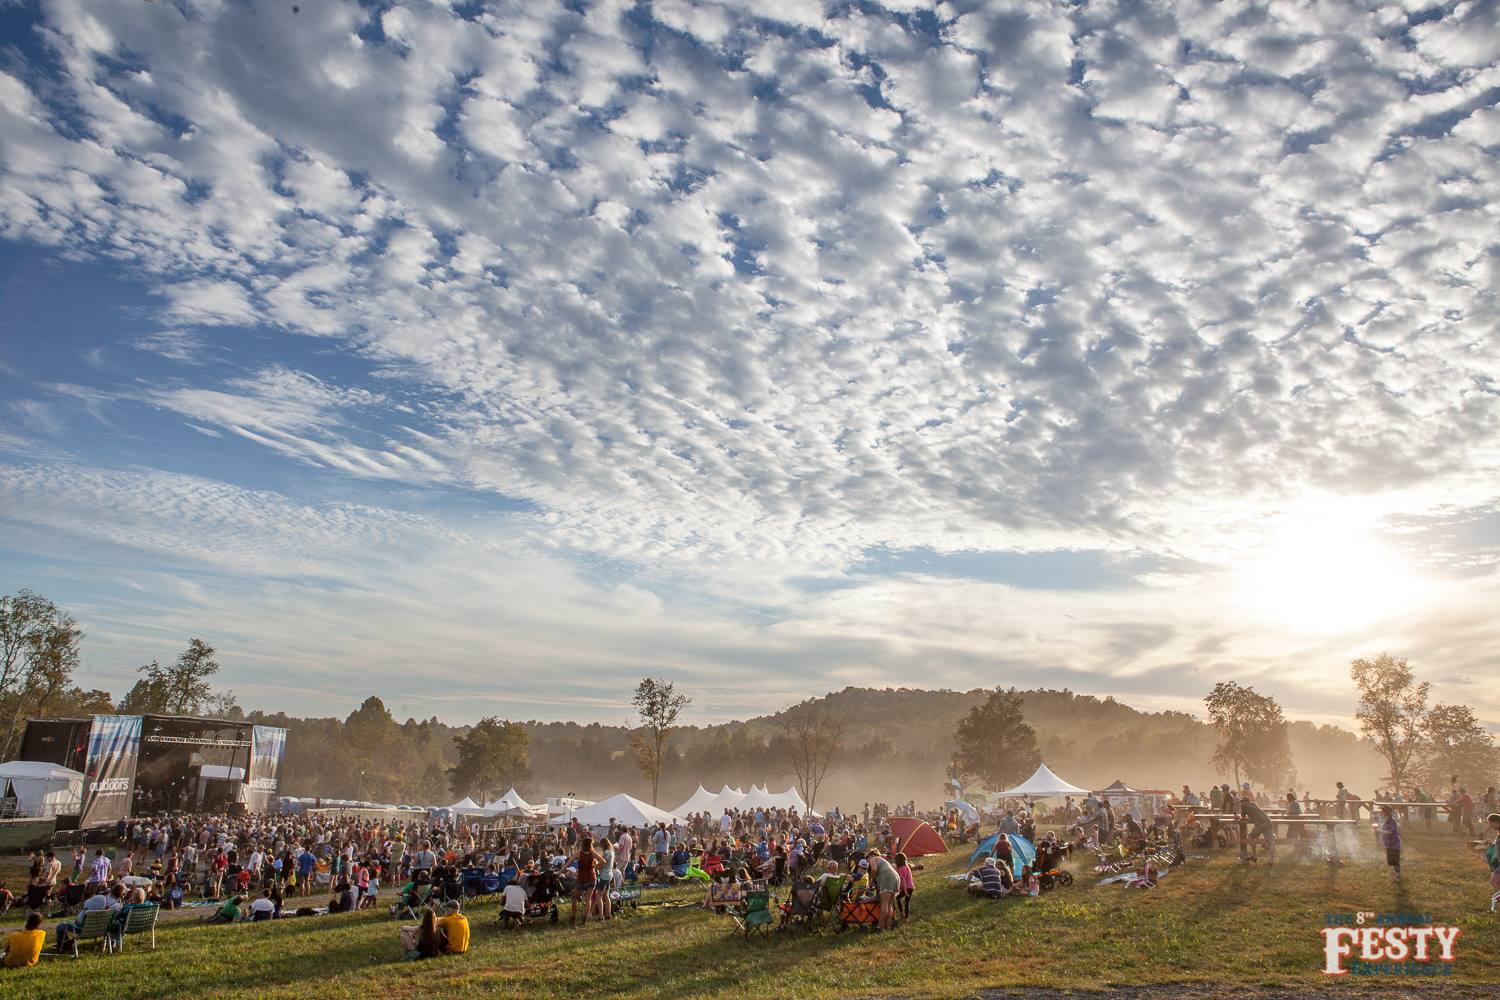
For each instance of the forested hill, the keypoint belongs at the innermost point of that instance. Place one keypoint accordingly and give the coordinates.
(898, 744)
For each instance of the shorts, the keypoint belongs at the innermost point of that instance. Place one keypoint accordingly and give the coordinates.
(1393, 857)
(601, 883)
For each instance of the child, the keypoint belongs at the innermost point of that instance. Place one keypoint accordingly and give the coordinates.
(1390, 835)
(908, 885)
(1033, 883)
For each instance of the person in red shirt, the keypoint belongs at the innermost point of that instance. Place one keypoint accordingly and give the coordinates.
(588, 874)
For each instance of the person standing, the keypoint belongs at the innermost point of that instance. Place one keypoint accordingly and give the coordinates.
(1260, 828)
(887, 883)
(1492, 858)
(1390, 839)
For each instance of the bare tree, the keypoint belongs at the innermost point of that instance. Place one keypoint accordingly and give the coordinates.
(814, 734)
(1391, 712)
(658, 704)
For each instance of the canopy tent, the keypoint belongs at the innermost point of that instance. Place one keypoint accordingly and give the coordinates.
(789, 799)
(621, 808)
(965, 809)
(464, 804)
(917, 838)
(728, 798)
(1021, 851)
(511, 804)
(1118, 788)
(698, 802)
(1041, 785)
(42, 789)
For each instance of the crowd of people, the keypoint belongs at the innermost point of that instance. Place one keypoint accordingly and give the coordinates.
(262, 867)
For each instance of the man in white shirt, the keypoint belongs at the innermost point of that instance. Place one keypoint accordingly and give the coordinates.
(513, 905)
(263, 908)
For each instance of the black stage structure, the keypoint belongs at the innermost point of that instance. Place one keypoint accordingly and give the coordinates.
(142, 764)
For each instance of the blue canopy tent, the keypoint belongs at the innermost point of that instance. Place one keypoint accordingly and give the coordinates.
(1021, 851)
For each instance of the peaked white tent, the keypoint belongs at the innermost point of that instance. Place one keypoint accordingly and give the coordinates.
(728, 798)
(1041, 785)
(697, 802)
(511, 804)
(465, 804)
(41, 789)
(621, 808)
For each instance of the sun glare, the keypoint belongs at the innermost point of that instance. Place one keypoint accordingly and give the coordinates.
(1324, 571)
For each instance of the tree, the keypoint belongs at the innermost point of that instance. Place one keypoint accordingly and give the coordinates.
(1253, 736)
(1391, 711)
(147, 696)
(493, 756)
(812, 735)
(39, 650)
(1456, 743)
(994, 744)
(181, 689)
(658, 705)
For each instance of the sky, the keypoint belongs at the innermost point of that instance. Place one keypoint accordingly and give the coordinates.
(489, 357)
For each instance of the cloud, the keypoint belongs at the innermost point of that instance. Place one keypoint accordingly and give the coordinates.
(744, 295)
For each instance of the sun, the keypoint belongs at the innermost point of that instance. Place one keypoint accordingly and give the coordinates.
(1324, 570)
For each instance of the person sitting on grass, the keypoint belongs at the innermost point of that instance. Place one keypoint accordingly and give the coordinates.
(453, 926)
(989, 880)
(263, 908)
(343, 900)
(24, 947)
(230, 912)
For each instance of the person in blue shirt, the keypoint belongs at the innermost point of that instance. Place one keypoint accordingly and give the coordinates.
(990, 880)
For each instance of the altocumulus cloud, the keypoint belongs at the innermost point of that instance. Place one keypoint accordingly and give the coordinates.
(739, 293)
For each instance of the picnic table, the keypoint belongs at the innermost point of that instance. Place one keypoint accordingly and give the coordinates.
(1332, 825)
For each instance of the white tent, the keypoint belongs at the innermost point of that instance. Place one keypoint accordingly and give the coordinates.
(728, 798)
(697, 802)
(789, 799)
(621, 808)
(465, 804)
(1042, 785)
(511, 804)
(42, 789)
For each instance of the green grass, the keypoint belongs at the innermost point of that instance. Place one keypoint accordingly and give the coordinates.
(1213, 921)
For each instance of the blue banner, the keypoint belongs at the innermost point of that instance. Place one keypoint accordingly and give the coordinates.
(109, 774)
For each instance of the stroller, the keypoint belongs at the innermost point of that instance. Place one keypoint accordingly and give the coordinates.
(541, 898)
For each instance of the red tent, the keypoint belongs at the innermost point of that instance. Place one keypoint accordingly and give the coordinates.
(917, 838)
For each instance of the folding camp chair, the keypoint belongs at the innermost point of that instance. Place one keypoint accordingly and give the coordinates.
(97, 926)
(754, 913)
(412, 900)
(829, 892)
(800, 912)
(141, 919)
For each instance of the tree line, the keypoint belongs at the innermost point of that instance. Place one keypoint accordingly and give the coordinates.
(905, 740)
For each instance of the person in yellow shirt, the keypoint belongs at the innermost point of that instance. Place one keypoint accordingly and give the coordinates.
(25, 947)
(454, 927)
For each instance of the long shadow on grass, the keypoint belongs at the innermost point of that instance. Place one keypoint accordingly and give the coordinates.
(250, 957)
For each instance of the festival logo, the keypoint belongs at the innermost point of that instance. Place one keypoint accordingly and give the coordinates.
(1387, 944)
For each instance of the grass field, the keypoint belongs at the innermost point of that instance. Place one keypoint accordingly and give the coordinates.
(1213, 921)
